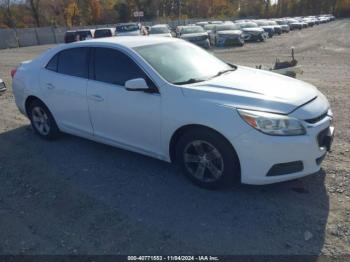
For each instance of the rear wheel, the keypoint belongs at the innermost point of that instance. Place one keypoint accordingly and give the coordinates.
(207, 159)
(42, 120)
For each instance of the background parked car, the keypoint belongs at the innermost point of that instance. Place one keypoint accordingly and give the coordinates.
(104, 32)
(269, 29)
(276, 27)
(195, 35)
(226, 35)
(78, 35)
(294, 24)
(160, 30)
(284, 25)
(303, 23)
(2, 86)
(85, 34)
(70, 37)
(252, 32)
(127, 29)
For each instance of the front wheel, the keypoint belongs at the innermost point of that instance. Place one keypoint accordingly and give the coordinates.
(42, 120)
(207, 159)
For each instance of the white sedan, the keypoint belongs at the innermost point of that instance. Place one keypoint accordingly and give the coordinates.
(174, 101)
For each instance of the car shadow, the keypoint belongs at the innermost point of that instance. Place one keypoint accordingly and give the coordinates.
(113, 201)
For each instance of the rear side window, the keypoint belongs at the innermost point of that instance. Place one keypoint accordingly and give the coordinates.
(114, 67)
(52, 65)
(74, 62)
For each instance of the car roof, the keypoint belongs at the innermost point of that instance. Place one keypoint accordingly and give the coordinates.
(105, 28)
(128, 41)
(127, 24)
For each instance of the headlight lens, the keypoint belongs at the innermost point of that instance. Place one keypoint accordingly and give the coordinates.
(273, 124)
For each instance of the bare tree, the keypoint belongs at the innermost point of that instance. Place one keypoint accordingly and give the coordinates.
(9, 18)
(34, 6)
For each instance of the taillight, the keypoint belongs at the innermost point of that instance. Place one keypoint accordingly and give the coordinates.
(13, 72)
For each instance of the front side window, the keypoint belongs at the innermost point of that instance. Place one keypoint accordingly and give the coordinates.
(74, 62)
(114, 67)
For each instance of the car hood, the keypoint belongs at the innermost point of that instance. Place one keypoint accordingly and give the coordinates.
(255, 89)
(268, 27)
(229, 32)
(131, 33)
(253, 30)
(162, 35)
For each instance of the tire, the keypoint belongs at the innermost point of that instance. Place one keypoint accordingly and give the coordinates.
(42, 120)
(207, 159)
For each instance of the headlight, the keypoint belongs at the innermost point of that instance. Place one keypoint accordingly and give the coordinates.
(273, 124)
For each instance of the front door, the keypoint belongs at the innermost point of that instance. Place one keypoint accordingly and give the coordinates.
(127, 118)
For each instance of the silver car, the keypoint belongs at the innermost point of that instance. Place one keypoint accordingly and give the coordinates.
(226, 35)
(195, 35)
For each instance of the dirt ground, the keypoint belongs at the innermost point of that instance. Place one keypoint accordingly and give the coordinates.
(74, 196)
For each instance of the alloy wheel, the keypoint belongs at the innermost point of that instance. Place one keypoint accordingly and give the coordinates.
(203, 161)
(41, 121)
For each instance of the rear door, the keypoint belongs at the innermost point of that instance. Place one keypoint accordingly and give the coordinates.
(64, 84)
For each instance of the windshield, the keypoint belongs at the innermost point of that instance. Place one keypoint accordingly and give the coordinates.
(227, 27)
(159, 30)
(180, 62)
(192, 30)
(127, 28)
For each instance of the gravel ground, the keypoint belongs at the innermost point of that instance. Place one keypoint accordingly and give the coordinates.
(74, 196)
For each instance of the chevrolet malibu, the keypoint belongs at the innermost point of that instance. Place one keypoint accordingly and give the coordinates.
(171, 100)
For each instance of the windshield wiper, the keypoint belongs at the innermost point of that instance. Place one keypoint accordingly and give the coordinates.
(224, 72)
(190, 81)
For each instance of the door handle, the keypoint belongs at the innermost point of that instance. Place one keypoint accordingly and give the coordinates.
(97, 98)
(50, 86)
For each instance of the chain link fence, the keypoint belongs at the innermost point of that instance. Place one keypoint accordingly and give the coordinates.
(14, 38)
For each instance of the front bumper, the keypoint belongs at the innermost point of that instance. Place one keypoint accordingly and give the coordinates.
(202, 43)
(270, 32)
(261, 155)
(224, 41)
(251, 37)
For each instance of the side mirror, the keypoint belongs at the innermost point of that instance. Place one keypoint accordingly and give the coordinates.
(137, 84)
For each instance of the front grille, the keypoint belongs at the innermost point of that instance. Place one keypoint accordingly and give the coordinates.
(317, 119)
(199, 38)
